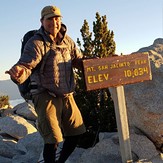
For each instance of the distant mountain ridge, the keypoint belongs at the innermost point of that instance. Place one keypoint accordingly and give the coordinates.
(7, 87)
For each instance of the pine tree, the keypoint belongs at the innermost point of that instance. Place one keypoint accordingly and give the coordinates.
(96, 106)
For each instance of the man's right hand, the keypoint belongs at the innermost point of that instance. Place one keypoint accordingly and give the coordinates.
(15, 72)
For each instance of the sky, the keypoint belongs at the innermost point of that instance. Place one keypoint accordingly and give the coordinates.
(135, 24)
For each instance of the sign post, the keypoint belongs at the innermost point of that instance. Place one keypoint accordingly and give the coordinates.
(115, 72)
(122, 123)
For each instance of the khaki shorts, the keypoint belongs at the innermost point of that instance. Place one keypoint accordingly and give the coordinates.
(57, 117)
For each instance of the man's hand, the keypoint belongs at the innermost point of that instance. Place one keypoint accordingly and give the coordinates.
(15, 72)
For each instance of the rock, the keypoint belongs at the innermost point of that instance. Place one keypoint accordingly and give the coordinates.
(31, 147)
(144, 100)
(157, 159)
(105, 151)
(7, 112)
(7, 148)
(5, 160)
(26, 110)
(16, 126)
(143, 147)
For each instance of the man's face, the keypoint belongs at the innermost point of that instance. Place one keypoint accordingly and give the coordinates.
(52, 25)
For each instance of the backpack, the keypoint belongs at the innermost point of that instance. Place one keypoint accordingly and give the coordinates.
(25, 87)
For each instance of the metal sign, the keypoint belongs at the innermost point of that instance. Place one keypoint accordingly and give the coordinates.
(115, 71)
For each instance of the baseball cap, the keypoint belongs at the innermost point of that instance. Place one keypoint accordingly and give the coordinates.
(50, 11)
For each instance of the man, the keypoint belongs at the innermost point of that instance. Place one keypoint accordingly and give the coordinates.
(58, 115)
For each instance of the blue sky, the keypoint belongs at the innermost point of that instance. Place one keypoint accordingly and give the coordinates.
(135, 24)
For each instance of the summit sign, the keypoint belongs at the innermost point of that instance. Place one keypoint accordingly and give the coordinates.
(115, 71)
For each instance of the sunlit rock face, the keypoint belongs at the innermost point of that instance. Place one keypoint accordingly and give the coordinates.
(145, 100)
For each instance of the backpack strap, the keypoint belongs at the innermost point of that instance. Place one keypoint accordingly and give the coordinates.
(26, 37)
